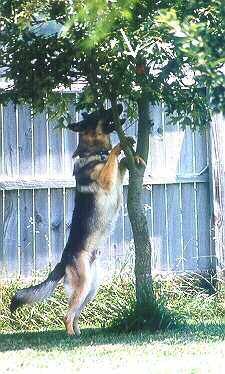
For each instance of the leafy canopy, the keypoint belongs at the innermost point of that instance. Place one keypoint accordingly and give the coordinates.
(168, 51)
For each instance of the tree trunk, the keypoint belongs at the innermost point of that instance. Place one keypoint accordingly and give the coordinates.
(143, 277)
(144, 289)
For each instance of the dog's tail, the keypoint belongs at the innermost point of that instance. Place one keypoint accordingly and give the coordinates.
(39, 292)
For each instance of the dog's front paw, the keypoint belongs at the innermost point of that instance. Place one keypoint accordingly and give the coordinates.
(139, 160)
(117, 149)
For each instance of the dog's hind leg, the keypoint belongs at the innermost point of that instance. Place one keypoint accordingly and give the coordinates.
(88, 299)
(78, 279)
(94, 286)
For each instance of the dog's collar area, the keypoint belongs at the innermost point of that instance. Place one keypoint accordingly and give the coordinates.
(103, 155)
(82, 162)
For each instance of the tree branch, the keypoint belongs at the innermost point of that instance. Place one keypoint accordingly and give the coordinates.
(129, 153)
(131, 52)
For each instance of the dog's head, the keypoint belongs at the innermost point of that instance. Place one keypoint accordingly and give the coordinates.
(94, 132)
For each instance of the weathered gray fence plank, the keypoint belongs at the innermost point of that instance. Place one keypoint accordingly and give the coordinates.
(173, 139)
(27, 255)
(159, 239)
(70, 142)
(148, 208)
(10, 140)
(203, 214)
(56, 224)
(174, 228)
(40, 145)
(156, 159)
(189, 227)
(116, 240)
(42, 244)
(25, 141)
(217, 190)
(201, 150)
(186, 165)
(10, 233)
(1, 141)
(2, 257)
(126, 223)
(55, 150)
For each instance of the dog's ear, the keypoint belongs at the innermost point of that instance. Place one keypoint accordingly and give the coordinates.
(92, 119)
(89, 121)
(109, 125)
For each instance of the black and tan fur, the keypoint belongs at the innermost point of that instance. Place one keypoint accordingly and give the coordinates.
(99, 177)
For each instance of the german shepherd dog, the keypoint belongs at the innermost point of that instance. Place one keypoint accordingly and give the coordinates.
(99, 176)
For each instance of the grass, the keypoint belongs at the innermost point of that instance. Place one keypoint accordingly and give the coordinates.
(194, 349)
(194, 346)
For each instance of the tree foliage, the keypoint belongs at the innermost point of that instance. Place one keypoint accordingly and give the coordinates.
(171, 51)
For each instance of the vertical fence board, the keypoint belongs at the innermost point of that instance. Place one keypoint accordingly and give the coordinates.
(10, 140)
(173, 140)
(127, 226)
(40, 145)
(174, 227)
(55, 150)
(25, 141)
(147, 203)
(187, 153)
(203, 210)
(26, 232)
(189, 232)
(148, 207)
(70, 141)
(156, 157)
(2, 259)
(70, 144)
(41, 229)
(200, 150)
(159, 239)
(217, 190)
(56, 224)
(10, 232)
(1, 141)
(116, 241)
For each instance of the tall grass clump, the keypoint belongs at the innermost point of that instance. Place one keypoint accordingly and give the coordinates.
(149, 316)
(198, 298)
(179, 300)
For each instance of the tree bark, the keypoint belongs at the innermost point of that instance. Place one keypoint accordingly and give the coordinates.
(143, 276)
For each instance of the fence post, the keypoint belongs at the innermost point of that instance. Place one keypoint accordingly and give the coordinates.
(1, 195)
(217, 189)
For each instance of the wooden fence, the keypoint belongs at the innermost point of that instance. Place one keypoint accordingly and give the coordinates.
(37, 196)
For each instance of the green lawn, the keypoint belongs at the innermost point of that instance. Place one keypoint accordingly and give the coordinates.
(192, 349)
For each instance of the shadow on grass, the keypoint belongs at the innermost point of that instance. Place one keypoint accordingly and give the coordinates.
(58, 339)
